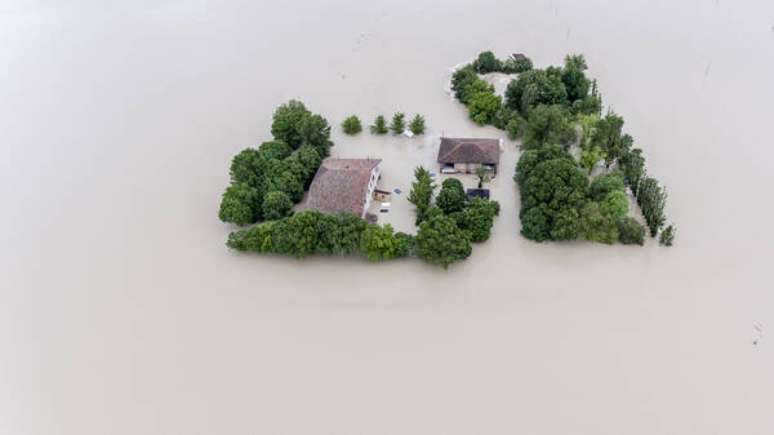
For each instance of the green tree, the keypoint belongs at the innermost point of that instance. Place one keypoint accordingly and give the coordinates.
(461, 79)
(515, 127)
(439, 241)
(535, 87)
(486, 63)
(531, 158)
(452, 196)
(417, 124)
(351, 125)
(517, 64)
(248, 167)
(398, 124)
(483, 107)
(276, 205)
(315, 131)
(574, 77)
(596, 225)
(652, 201)
(379, 243)
(421, 193)
(667, 237)
(470, 91)
(287, 119)
(604, 184)
(633, 165)
(275, 149)
(477, 218)
(240, 204)
(548, 125)
(379, 126)
(607, 136)
(553, 186)
(630, 232)
(615, 204)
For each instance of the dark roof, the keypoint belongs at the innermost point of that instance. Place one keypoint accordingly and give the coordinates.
(478, 193)
(340, 185)
(467, 150)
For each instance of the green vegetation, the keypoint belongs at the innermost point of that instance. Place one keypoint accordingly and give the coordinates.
(547, 108)
(452, 197)
(311, 232)
(667, 236)
(440, 241)
(417, 125)
(421, 194)
(379, 126)
(351, 125)
(265, 182)
(398, 124)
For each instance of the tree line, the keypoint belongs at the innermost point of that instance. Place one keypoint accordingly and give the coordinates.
(352, 125)
(551, 110)
(267, 181)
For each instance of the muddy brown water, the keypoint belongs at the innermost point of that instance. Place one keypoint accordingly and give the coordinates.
(122, 312)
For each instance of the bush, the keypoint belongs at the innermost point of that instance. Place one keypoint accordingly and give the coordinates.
(398, 124)
(351, 125)
(417, 125)
(276, 205)
(452, 196)
(439, 241)
(379, 126)
(630, 232)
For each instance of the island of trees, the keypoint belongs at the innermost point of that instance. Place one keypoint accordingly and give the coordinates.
(268, 180)
(557, 111)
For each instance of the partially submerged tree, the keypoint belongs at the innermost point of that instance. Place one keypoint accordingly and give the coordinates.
(441, 242)
(421, 194)
(398, 124)
(417, 125)
(667, 237)
(276, 205)
(549, 125)
(351, 125)
(240, 204)
(452, 196)
(379, 126)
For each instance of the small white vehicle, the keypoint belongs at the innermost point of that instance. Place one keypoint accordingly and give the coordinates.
(448, 170)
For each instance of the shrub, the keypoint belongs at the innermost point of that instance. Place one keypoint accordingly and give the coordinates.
(351, 125)
(398, 124)
(276, 205)
(630, 232)
(379, 126)
(417, 125)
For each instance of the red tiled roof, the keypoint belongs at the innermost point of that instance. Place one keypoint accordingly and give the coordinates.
(340, 185)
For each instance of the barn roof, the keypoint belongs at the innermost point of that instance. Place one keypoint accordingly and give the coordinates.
(340, 185)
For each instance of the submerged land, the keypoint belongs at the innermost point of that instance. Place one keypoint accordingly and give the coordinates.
(124, 313)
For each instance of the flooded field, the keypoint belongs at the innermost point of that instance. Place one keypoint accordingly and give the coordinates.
(122, 311)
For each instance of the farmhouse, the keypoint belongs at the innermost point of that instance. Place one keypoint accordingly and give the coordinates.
(344, 185)
(465, 155)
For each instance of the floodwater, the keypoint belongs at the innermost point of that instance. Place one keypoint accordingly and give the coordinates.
(122, 312)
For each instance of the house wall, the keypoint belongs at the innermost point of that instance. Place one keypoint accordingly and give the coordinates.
(372, 182)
